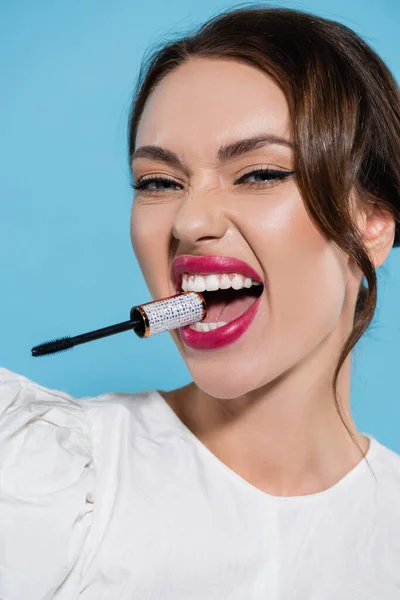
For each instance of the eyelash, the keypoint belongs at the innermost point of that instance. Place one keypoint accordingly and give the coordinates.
(273, 174)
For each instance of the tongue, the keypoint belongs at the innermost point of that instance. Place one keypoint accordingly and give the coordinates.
(223, 310)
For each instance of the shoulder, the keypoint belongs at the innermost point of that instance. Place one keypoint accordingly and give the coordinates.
(31, 413)
(47, 482)
(387, 463)
(59, 459)
(131, 406)
(138, 420)
(34, 418)
(49, 439)
(22, 397)
(385, 488)
(42, 425)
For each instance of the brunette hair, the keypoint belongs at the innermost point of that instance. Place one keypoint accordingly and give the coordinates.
(345, 109)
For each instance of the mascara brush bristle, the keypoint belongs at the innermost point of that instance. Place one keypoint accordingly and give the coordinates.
(53, 346)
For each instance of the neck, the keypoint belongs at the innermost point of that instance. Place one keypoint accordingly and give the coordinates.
(285, 438)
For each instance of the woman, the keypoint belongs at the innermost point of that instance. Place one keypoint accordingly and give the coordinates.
(265, 153)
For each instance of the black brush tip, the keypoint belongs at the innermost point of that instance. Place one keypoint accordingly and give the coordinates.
(53, 346)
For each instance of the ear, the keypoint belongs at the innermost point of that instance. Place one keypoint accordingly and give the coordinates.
(378, 228)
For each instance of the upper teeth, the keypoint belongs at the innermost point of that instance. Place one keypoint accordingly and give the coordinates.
(211, 283)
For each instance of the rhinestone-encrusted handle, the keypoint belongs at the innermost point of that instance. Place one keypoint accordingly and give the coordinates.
(171, 313)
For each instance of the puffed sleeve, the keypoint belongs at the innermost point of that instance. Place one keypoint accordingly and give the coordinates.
(47, 478)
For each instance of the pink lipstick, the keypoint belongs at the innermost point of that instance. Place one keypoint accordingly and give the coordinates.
(232, 331)
(223, 336)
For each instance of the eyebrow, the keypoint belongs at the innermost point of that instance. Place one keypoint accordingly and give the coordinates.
(225, 152)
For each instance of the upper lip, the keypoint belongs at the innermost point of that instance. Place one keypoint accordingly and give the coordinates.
(204, 265)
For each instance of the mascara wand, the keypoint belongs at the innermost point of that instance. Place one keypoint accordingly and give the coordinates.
(145, 320)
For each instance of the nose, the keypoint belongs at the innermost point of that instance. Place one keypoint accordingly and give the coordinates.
(201, 215)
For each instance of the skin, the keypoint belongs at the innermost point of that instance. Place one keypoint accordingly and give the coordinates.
(263, 405)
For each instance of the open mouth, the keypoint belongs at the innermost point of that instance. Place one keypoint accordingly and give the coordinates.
(227, 305)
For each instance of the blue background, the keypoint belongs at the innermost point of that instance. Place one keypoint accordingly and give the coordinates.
(67, 72)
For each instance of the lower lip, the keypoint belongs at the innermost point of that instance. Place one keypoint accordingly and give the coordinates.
(218, 338)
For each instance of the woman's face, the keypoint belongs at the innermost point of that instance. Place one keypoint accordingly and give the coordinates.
(200, 106)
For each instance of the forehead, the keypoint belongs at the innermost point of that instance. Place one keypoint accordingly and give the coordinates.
(210, 102)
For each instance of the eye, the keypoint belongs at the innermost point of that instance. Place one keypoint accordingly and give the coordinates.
(155, 184)
(263, 176)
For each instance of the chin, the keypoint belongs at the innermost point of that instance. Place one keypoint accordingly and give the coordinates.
(234, 382)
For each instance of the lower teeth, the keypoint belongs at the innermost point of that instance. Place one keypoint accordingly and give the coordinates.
(201, 326)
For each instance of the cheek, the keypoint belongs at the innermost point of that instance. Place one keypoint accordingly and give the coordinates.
(305, 275)
(310, 282)
(150, 243)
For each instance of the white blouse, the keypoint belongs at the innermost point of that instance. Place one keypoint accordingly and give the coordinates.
(113, 498)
